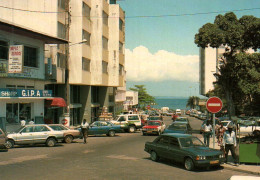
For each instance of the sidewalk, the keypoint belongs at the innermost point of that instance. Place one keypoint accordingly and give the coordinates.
(246, 168)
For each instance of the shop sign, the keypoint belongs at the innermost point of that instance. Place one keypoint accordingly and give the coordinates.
(15, 59)
(25, 93)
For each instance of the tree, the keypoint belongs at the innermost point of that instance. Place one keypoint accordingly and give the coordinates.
(237, 35)
(192, 102)
(143, 97)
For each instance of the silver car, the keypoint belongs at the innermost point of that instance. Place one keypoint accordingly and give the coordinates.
(34, 134)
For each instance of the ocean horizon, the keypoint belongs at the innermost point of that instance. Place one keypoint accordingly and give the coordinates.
(171, 102)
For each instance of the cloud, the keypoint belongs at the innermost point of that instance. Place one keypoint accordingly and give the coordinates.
(142, 65)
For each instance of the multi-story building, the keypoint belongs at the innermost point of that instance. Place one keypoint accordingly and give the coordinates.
(23, 39)
(210, 60)
(87, 71)
(131, 100)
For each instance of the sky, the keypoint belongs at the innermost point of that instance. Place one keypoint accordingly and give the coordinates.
(160, 52)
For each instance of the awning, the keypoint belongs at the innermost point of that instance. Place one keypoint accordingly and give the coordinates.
(55, 102)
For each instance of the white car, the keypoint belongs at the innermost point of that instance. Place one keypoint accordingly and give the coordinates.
(34, 134)
(244, 129)
(178, 111)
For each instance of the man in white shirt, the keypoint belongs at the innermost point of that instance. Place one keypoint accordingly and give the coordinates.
(229, 141)
(207, 129)
(84, 129)
(23, 122)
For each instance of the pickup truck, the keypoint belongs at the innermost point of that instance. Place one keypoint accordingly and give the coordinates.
(128, 122)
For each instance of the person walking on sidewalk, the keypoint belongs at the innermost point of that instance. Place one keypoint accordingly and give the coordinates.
(220, 133)
(84, 129)
(207, 130)
(229, 141)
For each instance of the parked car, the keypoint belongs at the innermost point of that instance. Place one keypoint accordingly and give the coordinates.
(182, 119)
(3, 140)
(179, 127)
(153, 127)
(184, 148)
(104, 127)
(247, 126)
(69, 134)
(129, 122)
(178, 111)
(34, 134)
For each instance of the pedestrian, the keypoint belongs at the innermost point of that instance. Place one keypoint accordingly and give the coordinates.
(220, 133)
(84, 130)
(23, 122)
(31, 122)
(207, 130)
(230, 143)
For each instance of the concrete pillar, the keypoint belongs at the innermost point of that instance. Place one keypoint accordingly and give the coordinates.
(85, 100)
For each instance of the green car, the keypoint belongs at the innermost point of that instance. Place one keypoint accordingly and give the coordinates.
(184, 148)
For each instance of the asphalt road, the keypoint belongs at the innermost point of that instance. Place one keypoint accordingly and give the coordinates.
(119, 157)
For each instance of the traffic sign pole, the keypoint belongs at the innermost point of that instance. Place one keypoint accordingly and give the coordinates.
(214, 105)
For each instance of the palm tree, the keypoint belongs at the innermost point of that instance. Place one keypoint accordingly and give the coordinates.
(192, 102)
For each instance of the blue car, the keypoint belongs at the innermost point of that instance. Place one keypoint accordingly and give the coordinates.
(179, 127)
(104, 127)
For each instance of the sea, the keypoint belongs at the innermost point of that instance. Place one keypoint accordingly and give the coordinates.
(171, 102)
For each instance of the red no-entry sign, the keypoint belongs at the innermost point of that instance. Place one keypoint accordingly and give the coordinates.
(214, 104)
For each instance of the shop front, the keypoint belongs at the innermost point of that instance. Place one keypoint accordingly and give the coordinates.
(22, 104)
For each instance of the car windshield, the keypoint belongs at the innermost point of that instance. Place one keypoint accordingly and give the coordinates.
(58, 128)
(191, 142)
(154, 123)
(181, 119)
(153, 118)
(177, 126)
(18, 130)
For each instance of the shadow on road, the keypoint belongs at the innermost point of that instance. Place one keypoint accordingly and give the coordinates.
(180, 165)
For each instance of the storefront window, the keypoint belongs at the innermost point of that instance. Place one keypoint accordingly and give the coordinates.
(18, 111)
(12, 113)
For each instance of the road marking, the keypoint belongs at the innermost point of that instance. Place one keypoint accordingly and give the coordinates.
(23, 159)
(213, 104)
(88, 151)
(124, 157)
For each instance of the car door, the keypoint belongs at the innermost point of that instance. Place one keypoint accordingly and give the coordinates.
(103, 128)
(162, 147)
(40, 134)
(25, 136)
(94, 128)
(174, 148)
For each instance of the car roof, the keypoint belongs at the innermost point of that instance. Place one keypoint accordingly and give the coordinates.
(177, 135)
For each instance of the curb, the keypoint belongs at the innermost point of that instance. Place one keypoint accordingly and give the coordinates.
(241, 170)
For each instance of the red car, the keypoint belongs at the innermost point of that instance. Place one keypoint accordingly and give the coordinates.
(174, 117)
(153, 127)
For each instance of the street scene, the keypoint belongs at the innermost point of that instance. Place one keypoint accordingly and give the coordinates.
(129, 89)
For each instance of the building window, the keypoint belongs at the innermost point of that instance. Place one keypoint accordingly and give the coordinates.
(111, 98)
(62, 3)
(30, 57)
(85, 64)
(121, 69)
(86, 10)
(121, 24)
(112, 1)
(121, 46)
(61, 30)
(105, 42)
(61, 59)
(86, 36)
(104, 67)
(11, 86)
(4, 50)
(105, 18)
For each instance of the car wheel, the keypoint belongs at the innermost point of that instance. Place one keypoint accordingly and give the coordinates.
(154, 156)
(50, 142)
(189, 165)
(68, 139)
(111, 133)
(9, 144)
(131, 129)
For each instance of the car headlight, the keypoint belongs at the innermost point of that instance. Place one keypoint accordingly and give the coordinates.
(221, 156)
(200, 157)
